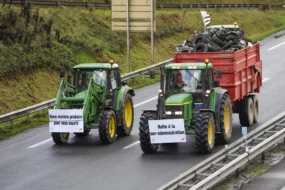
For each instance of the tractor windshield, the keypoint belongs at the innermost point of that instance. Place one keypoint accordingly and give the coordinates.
(84, 77)
(100, 78)
(183, 81)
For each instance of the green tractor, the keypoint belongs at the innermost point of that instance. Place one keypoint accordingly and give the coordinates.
(231, 27)
(97, 99)
(189, 93)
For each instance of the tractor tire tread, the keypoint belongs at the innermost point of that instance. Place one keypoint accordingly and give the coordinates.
(201, 133)
(103, 130)
(222, 138)
(144, 135)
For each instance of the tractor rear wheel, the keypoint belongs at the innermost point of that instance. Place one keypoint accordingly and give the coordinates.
(60, 138)
(84, 134)
(246, 111)
(107, 127)
(127, 117)
(256, 108)
(225, 118)
(144, 134)
(205, 132)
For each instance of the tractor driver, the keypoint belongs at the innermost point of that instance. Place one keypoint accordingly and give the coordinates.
(191, 79)
(99, 77)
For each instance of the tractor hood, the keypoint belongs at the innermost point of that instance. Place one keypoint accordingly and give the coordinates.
(81, 94)
(178, 99)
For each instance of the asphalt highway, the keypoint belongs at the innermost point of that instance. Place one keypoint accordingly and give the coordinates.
(31, 161)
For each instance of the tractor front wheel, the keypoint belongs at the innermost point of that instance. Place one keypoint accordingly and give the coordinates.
(127, 117)
(144, 134)
(60, 138)
(107, 127)
(205, 132)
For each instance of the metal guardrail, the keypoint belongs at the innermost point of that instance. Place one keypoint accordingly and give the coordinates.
(107, 5)
(38, 107)
(219, 166)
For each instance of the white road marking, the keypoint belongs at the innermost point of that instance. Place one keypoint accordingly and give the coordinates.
(40, 143)
(133, 144)
(276, 46)
(266, 79)
(139, 104)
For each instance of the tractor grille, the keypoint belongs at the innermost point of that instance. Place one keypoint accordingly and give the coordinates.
(174, 109)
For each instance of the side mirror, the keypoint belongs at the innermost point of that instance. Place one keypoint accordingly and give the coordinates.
(218, 73)
(217, 83)
(61, 75)
(152, 74)
(69, 77)
(124, 83)
(242, 32)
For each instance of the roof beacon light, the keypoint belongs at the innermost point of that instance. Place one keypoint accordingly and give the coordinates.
(235, 23)
(206, 61)
(111, 61)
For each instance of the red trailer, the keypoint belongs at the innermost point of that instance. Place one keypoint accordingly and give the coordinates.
(241, 74)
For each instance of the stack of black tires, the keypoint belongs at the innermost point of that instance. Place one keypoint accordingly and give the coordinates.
(213, 40)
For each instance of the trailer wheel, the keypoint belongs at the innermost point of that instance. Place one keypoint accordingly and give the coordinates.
(60, 138)
(107, 127)
(205, 132)
(225, 117)
(256, 108)
(84, 134)
(145, 142)
(246, 111)
(127, 117)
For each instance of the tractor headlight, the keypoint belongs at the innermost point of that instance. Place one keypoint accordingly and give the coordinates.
(168, 113)
(178, 113)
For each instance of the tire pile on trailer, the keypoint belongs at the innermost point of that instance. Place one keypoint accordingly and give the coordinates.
(213, 40)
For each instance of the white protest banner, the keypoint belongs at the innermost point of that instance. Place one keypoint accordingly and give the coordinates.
(167, 131)
(66, 120)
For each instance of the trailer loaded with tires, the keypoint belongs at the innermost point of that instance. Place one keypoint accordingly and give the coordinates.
(216, 40)
(198, 94)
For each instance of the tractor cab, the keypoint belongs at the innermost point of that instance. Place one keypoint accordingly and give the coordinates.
(231, 27)
(187, 89)
(105, 76)
(189, 78)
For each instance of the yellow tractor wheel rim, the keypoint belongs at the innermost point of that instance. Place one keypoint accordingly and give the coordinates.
(64, 135)
(112, 127)
(210, 133)
(128, 114)
(227, 119)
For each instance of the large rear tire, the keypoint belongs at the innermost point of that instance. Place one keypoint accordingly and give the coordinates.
(107, 127)
(144, 134)
(60, 138)
(205, 132)
(127, 117)
(225, 118)
(246, 111)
